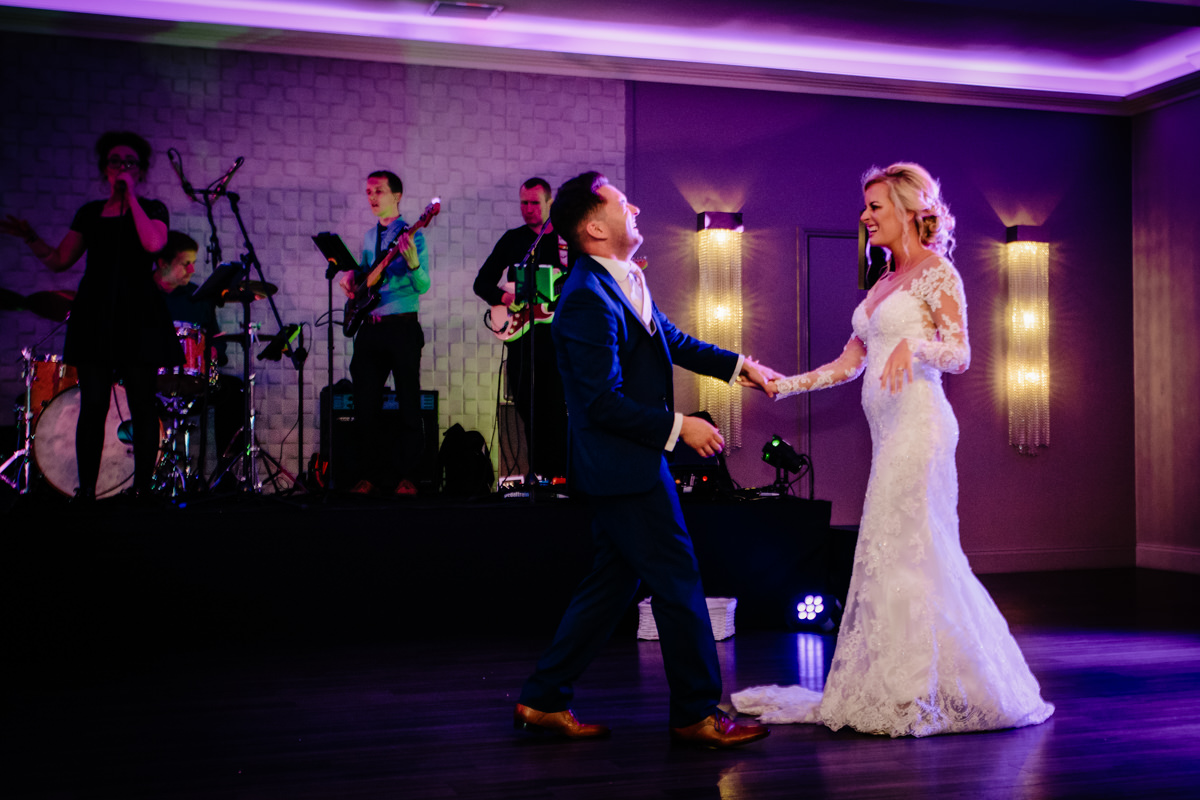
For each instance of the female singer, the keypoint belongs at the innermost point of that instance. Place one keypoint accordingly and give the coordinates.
(119, 326)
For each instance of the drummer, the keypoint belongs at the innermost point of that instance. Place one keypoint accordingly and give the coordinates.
(174, 268)
(119, 326)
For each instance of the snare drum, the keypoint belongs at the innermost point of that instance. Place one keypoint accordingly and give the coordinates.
(54, 444)
(51, 377)
(193, 374)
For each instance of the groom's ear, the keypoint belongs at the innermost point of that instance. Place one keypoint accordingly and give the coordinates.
(595, 228)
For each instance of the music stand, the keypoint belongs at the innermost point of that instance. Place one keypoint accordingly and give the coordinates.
(335, 251)
(338, 259)
(279, 343)
(222, 278)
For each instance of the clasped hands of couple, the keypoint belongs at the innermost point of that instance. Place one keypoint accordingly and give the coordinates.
(707, 440)
(704, 437)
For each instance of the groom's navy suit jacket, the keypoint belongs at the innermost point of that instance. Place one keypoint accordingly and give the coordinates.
(618, 383)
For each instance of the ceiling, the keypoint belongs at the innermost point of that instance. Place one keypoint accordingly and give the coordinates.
(1095, 56)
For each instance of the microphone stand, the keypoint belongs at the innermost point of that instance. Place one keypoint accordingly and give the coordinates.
(281, 343)
(528, 267)
(207, 196)
(327, 435)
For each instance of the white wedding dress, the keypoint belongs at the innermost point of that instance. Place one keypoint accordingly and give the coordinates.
(922, 648)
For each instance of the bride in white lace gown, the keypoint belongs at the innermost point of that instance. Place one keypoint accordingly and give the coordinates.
(922, 648)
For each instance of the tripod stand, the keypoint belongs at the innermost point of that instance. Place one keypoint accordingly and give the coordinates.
(244, 463)
(22, 458)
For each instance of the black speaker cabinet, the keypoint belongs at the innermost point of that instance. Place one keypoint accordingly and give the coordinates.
(340, 446)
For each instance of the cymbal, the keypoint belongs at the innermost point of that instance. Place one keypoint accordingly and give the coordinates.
(248, 292)
(54, 305)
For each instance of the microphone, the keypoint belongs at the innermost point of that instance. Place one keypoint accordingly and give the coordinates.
(177, 165)
(223, 181)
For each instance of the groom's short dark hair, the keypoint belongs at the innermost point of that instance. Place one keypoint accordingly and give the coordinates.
(576, 201)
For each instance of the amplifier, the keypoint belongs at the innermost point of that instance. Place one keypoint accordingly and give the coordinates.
(344, 439)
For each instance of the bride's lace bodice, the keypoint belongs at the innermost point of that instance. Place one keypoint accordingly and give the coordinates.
(926, 306)
(922, 648)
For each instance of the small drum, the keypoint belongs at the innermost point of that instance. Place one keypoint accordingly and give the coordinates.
(54, 444)
(51, 377)
(193, 374)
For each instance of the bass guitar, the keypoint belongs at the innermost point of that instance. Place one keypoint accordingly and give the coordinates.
(366, 292)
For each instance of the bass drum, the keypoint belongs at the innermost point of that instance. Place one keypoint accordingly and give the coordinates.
(54, 444)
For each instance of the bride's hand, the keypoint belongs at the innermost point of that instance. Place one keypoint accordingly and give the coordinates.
(898, 368)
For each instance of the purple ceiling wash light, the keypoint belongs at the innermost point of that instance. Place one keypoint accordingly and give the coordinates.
(1026, 52)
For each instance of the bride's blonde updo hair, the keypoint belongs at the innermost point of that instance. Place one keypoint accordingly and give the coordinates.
(912, 188)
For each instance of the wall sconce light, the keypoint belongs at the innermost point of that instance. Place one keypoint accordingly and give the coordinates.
(1027, 257)
(720, 313)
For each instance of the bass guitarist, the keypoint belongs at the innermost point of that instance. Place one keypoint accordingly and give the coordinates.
(511, 320)
(389, 341)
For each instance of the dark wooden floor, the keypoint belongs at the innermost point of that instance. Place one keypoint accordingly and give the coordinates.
(1117, 651)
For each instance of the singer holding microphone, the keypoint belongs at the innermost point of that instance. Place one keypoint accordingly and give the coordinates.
(119, 326)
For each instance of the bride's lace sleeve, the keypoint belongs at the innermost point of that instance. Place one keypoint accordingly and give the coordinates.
(950, 349)
(846, 367)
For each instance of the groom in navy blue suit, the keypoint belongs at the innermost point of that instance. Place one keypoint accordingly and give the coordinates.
(615, 353)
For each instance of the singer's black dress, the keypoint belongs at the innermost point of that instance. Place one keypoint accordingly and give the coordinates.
(119, 329)
(119, 317)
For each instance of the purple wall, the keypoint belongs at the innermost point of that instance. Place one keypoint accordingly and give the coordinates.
(791, 164)
(1167, 332)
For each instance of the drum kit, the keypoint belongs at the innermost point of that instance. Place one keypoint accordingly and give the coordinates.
(49, 411)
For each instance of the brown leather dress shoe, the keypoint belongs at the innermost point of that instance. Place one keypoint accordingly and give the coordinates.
(560, 722)
(717, 732)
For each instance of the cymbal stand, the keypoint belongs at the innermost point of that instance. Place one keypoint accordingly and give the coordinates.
(251, 451)
(22, 458)
(297, 355)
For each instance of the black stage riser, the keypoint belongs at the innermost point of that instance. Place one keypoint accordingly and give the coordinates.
(283, 571)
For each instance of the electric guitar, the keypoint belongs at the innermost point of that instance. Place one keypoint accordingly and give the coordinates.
(366, 292)
(509, 323)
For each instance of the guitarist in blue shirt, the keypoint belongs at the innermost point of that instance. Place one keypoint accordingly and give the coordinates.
(389, 341)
